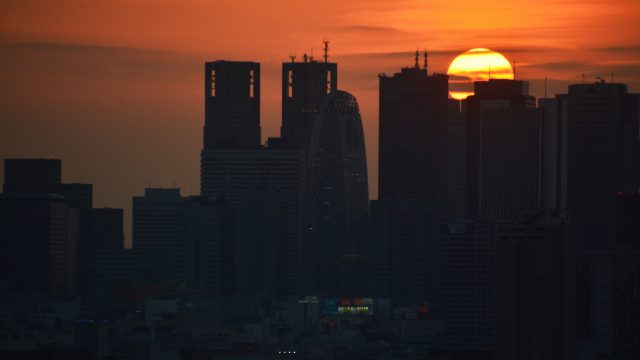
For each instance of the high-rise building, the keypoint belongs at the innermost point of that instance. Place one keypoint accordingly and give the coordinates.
(493, 94)
(535, 285)
(232, 104)
(338, 199)
(154, 217)
(79, 196)
(405, 252)
(603, 158)
(38, 239)
(22, 176)
(305, 84)
(469, 288)
(236, 173)
(413, 134)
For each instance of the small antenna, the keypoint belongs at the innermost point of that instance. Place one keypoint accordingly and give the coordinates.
(305, 57)
(311, 57)
(417, 58)
(292, 57)
(426, 60)
(326, 50)
(545, 87)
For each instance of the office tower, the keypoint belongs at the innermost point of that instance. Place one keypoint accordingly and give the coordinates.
(203, 255)
(492, 94)
(22, 176)
(413, 134)
(554, 152)
(338, 198)
(38, 235)
(627, 215)
(305, 84)
(79, 196)
(232, 105)
(154, 217)
(235, 173)
(510, 161)
(405, 252)
(535, 288)
(603, 157)
(106, 228)
(262, 243)
(469, 289)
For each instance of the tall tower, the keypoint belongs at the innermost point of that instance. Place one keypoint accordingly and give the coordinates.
(304, 86)
(338, 198)
(231, 105)
(413, 134)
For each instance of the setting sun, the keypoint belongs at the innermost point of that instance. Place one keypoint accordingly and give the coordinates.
(476, 65)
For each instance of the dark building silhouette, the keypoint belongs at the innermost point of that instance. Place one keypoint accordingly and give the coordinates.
(492, 94)
(535, 286)
(27, 176)
(305, 84)
(405, 252)
(338, 199)
(413, 134)
(232, 104)
(603, 157)
(38, 239)
(79, 196)
(469, 287)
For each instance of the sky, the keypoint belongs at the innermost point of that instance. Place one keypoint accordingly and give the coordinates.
(115, 89)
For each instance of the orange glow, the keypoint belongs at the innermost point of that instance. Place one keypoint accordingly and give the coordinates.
(477, 64)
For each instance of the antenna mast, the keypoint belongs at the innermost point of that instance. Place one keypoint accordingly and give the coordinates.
(326, 50)
(426, 61)
(292, 57)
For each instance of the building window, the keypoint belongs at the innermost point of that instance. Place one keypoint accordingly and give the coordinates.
(328, 81)
(290, 85)
(251, 83)
(213, 83)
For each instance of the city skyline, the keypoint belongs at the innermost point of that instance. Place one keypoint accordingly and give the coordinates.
(117, 78)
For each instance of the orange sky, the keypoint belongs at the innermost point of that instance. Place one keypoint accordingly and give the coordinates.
(114, 87)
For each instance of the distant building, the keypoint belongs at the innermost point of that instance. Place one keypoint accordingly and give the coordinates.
(28, 176)
(38, 239)
(305, 84)
(535, 282)
(413, 134)
(232, 105)
(338, 200)
(405, 252)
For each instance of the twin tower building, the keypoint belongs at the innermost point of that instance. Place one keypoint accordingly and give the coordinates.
(300, 200)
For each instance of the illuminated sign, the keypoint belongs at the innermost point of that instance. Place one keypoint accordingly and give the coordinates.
(346, 307)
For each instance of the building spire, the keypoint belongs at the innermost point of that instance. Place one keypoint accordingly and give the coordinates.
(426, 60)
(326, 50)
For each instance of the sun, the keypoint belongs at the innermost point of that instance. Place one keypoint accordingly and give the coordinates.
(477, 64)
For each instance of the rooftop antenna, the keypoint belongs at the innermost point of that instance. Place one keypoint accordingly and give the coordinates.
(305, 57)
(326, 50)
(426, 59)
(311, 57)
(417, 66)
(292, 57)
(545, 87)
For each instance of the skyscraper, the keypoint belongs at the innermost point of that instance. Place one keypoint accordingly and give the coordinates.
(232, 104)
(603, 156)
(22, 176)
(305, 84)
(413, 134)
(338, 198)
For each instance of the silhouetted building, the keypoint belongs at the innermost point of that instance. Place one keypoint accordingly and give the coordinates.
(28, 176)
(232, 104)
(154, 216)
(79, 196)
(492, 94)
(469, 288)
(305, 84)
(38, 239)
(338, 200)
(535, 288)
(413, 134)
(233, 174)
(603, 157)
(405, 252)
